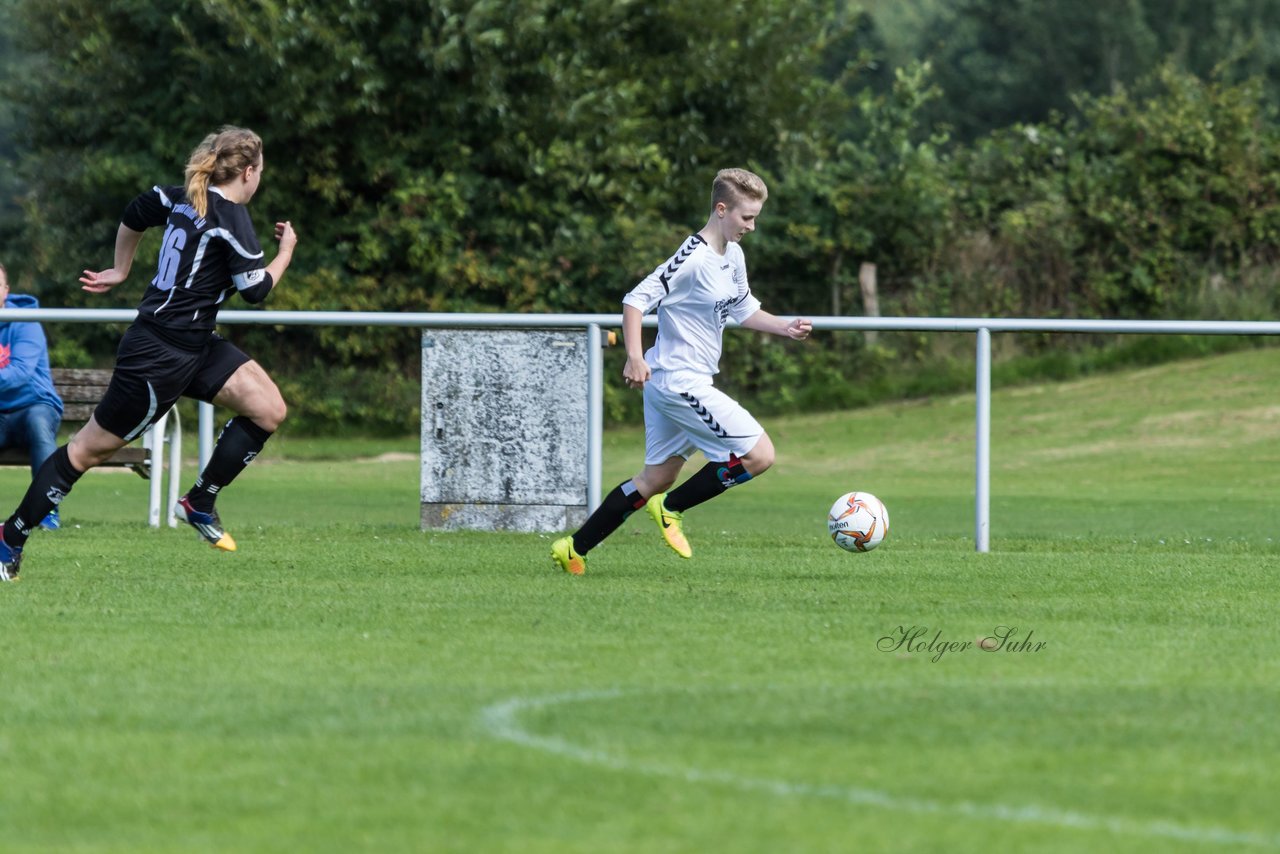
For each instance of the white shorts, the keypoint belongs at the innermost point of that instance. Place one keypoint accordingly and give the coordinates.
(683, 414)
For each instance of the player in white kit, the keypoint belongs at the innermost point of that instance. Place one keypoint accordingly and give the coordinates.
(695, 292)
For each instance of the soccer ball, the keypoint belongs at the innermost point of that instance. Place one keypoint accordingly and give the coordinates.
(858, 521)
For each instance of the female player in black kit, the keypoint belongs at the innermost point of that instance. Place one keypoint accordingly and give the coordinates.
(209, 251)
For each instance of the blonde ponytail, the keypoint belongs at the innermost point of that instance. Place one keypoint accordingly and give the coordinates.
(217, 159)
(199, 168)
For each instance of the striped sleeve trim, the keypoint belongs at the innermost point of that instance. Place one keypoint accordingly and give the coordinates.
(673, 266)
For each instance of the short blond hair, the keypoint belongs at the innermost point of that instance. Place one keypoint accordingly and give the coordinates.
(733, 186)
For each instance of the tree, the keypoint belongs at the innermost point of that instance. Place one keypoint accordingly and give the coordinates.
(1005, 61)
(499, 154)
(10, 187)
(1002, 62)
(1129, 206)
(880, 194)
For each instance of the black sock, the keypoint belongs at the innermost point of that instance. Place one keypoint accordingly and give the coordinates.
(51, 483)
(706, 483)
(238, 443)
(620, 503)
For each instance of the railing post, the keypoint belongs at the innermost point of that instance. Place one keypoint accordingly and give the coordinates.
(595, 415)
(205, 431)
(982, 456)
(174, 434)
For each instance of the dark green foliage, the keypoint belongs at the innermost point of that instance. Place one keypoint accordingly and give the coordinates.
(879, 192)
(1003, 62)
(1019, 158)
(1007, 61)
(465, 156)
(1127, 210)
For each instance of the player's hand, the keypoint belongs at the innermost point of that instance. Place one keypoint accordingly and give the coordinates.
(101, 282)
(799, 328)
(636, 373)
(286, 235)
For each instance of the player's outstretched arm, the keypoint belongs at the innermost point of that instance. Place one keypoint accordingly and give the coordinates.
(762, 321)
(104, 280)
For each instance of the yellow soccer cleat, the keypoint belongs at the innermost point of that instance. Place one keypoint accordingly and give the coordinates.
(207, 525)
(570, 561)
(670, 523)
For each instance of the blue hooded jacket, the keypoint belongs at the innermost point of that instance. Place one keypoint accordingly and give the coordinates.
(24, 361)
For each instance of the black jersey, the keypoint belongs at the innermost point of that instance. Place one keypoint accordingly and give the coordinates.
(203, 259)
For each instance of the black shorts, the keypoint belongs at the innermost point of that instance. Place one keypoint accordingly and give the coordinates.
(151, 373)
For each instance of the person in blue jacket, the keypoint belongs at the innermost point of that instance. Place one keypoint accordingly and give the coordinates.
(30, 409)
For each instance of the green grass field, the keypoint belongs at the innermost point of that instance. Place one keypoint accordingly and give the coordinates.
(345, 682)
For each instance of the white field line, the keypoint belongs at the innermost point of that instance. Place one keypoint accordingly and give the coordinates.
(502, 721)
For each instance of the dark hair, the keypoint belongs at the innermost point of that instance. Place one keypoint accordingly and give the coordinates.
(217, 159)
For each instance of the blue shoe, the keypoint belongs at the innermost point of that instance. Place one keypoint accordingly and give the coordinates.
(208, 525)
(10, 559)
(52, 522)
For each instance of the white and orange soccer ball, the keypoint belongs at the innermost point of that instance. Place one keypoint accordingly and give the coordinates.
(858, 521)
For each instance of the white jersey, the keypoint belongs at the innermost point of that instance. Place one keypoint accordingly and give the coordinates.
(695, 293)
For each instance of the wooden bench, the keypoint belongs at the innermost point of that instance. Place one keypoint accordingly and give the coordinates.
(81, 389)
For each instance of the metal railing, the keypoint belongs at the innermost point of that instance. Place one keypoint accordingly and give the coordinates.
(981, 327)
